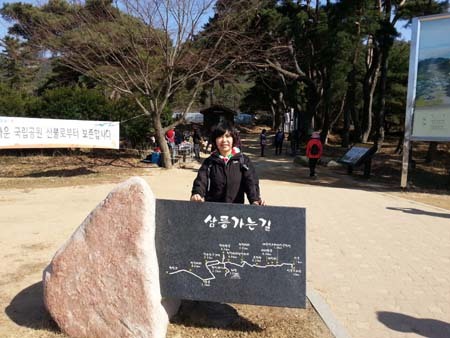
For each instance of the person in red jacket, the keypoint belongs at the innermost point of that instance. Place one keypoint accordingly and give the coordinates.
(314, 151)
(170, 138)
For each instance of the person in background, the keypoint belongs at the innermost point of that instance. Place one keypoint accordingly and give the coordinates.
(152, 141)
(314, 151)
(178, 137)
(197, 140)
(227, 174)
(170, 138)
(294, 137)
(279, 138)
(263, 141)
(238, 140)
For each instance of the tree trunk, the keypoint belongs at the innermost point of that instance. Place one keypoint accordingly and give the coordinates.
(349, 107)
(431, 153)
(325, 126)
(161, 139)
(211, 94)
(369, 89)
(281, 108)
(385, 46)
(350, 97)
(273, 110)
(379, 122)
(399, 149)
(369, 85)
(326, 123)
(311, 108)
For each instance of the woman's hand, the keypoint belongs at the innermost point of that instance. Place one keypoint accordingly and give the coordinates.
(260, 202)
(197, 198)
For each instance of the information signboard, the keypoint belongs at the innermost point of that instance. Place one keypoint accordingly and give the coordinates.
(431, 114)
(231, 253)
(357, 154)
(20, 132)
(427, 115)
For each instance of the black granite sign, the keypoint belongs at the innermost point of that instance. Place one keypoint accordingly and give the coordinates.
(231, 253)
(357, 154)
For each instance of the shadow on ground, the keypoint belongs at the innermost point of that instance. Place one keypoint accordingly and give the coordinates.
(204, 314)
(27, 309)
(421, 212)
(62, 173)
(430, 328)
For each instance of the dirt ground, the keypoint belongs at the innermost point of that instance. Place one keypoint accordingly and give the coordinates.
(63, 181)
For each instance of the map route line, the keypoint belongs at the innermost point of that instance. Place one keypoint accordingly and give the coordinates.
(216, 262)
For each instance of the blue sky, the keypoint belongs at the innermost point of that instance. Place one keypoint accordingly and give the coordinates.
(3, 24)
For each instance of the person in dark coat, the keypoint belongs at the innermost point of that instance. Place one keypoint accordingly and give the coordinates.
(226, 175)
(197, 140)
(279, 138)
(262, 141)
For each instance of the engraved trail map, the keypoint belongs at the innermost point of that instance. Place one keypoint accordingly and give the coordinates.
(231, 253)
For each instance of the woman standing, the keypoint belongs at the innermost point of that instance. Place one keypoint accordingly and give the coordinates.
(227, 174)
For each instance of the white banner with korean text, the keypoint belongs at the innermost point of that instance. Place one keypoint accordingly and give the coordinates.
(21, 132)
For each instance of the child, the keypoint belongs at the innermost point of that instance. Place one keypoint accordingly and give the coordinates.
(313, 152)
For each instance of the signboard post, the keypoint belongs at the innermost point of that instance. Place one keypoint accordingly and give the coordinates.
(231, 253)
(428, 102)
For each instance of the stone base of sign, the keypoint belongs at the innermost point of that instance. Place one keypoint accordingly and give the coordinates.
(104, 282)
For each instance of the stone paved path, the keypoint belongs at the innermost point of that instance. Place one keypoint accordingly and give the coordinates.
(381, 263)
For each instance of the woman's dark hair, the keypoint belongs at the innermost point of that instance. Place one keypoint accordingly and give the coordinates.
(220, 130)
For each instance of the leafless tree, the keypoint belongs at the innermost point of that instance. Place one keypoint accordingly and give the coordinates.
(145, 49)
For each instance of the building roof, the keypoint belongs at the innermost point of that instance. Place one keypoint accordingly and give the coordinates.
(218, 109)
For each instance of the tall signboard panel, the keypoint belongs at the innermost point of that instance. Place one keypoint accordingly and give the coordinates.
(428, 101)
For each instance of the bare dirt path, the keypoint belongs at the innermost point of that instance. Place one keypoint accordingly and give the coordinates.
(36, 222)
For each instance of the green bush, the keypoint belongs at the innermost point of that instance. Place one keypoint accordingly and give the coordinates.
(75, 103)
(14, 102)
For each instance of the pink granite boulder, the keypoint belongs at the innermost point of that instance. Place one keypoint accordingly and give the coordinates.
(104, 281)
